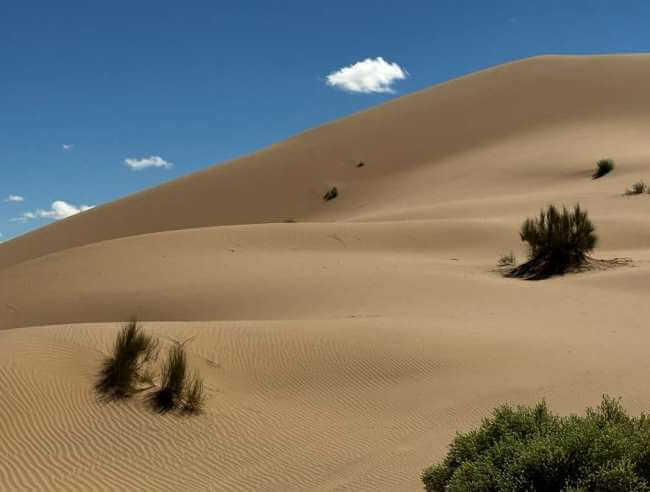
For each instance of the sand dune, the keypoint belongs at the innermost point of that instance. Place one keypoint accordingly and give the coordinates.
(540, 120)
(341, 352)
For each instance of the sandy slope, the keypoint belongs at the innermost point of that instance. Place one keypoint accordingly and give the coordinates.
(341, 352)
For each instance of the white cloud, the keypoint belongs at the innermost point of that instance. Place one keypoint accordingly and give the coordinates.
(14, 198)
(24, 217)
(58, 210)
(61, 210)
(367, 76)
(67, 147)
(146, 162)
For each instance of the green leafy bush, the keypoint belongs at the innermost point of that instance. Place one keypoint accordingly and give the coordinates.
(529, 448)
(133, 350)
(557, 242)
(603, 166)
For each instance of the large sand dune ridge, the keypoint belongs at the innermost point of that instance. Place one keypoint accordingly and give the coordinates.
(342, 351)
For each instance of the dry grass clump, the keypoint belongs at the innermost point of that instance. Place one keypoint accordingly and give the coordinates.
(637, 188)
(177, 389)
(194, 395)
(131, 364)
(172, 381)
(133, 351)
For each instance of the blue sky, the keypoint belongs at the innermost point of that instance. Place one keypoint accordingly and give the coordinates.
(177, 86)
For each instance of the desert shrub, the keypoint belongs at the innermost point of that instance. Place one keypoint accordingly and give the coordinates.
(172, 380)
(529, 448)
(558, 241)
(361, 164)
(194, 395)
(507, 260)
(331, 194)
(603, 166)
(637, 188)
(133, 350)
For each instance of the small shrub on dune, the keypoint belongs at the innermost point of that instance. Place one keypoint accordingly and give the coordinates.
(172, 381)
(529, 448)
(133, 350)
(558, 241)
(637, 188)
(603, 166)
(331, 194)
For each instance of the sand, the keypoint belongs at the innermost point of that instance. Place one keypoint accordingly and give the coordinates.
(342, 351)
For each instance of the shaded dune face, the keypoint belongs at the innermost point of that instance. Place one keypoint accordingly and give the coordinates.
(342, 351)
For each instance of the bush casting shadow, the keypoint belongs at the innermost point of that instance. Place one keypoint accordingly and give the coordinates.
(603, 166)
(529, 448)
(133, 350)
(558, 242)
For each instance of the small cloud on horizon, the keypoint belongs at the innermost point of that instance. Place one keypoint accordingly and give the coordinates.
(14, 198)
(367, 76)
(24, 217)
(147, 162)
(58, 210)
(67, 147)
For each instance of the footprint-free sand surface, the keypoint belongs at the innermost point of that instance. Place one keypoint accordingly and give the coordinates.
(341, 351)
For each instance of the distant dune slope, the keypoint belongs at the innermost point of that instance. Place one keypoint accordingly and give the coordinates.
(451, 139)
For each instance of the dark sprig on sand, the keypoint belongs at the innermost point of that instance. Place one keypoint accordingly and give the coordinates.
(603, 167)
(331, 194)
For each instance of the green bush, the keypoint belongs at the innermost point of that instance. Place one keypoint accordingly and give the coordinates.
(557, 242)
(637, 188)
(529, 448)
(603, 166)
(133, 350)
(172, 380)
